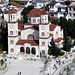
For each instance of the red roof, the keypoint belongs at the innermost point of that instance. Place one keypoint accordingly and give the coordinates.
(1, 52)
(58, 39)
(53, 17)
(20, 25)
(52, 27)
(32, 42)
(35, 28)
(12, 11)
(30, 24)
(46, 37)
(15, 4)
(36, 12)
(61, 29)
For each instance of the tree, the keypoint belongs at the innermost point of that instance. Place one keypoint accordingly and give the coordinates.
(53, 49)
(63, 22)
(55, 21)
(73, 29)
(25, 11)
(2, 62)
(67, 42)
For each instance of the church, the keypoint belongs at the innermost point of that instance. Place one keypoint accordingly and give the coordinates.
(33, 37)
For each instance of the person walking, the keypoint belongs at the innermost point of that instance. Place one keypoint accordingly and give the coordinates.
(20, 73)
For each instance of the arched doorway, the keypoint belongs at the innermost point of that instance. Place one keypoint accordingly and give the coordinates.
(27, 50)
(30, 37)
(22, 49)
(33, 50)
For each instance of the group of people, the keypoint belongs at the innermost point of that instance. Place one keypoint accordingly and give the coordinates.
(19, 73)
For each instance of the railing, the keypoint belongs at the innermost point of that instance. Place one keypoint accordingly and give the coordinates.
(21, 52)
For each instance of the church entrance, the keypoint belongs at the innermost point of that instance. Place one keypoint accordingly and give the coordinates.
(33, 50)
(27, 50)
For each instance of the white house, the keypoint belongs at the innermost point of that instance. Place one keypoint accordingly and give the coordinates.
(17, 7)
(57, 9)
(33, 37)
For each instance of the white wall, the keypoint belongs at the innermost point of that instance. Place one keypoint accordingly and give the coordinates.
(25, 33)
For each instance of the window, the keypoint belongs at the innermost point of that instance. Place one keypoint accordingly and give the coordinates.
(73, 9)
(13, 16)
(73, 14)
(28, 19)
(59, 9)
(33, 50)
(34, 20)
(11, 32)
(11, 50)
(38, 20)
(70, 14)
(69, 8)
(11, 42)
(43, 34)
(21, 49)
(27, 50)
(43, 43)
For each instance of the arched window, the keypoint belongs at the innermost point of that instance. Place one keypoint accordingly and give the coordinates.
(43, 52)
(43, 34)
(33, 50)
(11, 50)
(11, 32)
(22, 49)
(11, 42)
(27, 50)
(30, 37)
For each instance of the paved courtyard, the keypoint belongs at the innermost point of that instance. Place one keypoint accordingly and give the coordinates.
(26, 67)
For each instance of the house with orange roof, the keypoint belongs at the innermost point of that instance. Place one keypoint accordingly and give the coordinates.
(13, 5)
(32, 38)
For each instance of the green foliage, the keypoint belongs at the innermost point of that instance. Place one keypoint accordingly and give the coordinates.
(1, 46)
(45, 64)
(2, 62)
(67, 42)
(25, 11)
(74, 43)
(55, 21)
(68, 69)
(54, 50)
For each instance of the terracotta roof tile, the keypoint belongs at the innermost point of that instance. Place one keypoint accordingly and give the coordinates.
(20, 25)
(58, 39)
(36, 12)
(52, 27)
(14, 3)
(53, 17)
(12, 11)
(32, 42)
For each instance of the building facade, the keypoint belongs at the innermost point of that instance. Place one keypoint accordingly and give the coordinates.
(32, 38)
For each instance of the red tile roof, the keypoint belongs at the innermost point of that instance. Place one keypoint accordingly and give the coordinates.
(58, 39)
(12, 11)
(32, 42)
(14, 3)
(1, 52)
(53, 17)
(30, 24)
(61, 29)
(52, 27)
(20, 25)
(35, 28)
(46, 23)
(46, 37)
(36, 12)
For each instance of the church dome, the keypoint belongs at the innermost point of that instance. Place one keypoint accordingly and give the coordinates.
(36, 12)
(12, 11)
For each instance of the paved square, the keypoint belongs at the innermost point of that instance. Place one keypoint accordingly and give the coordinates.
(26, 67)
